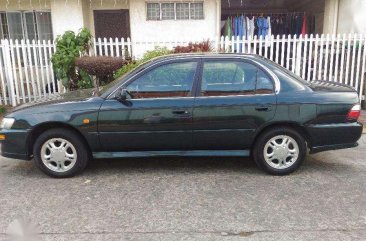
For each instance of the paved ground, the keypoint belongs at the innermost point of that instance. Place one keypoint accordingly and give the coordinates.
(362, 119)
(191, 199)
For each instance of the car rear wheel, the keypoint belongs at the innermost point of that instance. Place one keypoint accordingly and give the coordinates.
(60, 153)
(280, 151)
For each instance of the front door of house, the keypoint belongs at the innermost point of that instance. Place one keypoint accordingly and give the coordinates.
(112, 23)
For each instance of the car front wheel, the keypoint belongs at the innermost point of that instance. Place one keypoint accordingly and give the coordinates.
(280, 151)
(60, 153)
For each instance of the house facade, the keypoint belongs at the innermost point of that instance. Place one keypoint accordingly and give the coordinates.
(137, 19)
(154, 20)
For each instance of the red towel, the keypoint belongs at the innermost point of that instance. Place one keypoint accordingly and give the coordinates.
(303, 29)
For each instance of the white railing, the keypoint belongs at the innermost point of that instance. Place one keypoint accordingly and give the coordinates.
(26, 72)
(338, 58)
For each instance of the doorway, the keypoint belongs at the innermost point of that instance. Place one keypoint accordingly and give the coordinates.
(112, 23)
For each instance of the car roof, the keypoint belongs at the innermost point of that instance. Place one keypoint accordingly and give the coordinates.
(206, 55)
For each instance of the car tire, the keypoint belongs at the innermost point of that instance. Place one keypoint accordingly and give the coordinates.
(60, 153)
(280, 151)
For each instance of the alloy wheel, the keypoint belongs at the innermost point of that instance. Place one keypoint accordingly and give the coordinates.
(281, 152)
(58, 155)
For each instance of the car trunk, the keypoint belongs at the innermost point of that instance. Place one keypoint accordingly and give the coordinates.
(328, 86)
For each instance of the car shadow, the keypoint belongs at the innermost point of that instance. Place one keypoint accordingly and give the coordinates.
(212, 165)
(245, 166)
(176, 164)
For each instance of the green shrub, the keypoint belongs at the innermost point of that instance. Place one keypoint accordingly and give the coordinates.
(102, 67)
(126, 68)
(158, 51)
(69, 46)
(2, 110)
(86, 81)
(203, 46)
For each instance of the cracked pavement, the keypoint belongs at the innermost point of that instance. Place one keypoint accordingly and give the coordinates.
(191, 199)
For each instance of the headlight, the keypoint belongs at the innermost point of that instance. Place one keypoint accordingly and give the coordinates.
(7, 123)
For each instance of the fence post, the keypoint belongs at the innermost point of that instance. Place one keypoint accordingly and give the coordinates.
(9, 72)
(130, 48)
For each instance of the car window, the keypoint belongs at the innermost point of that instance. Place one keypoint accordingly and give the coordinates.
(264, 84)
(170, 80)
(225, 78)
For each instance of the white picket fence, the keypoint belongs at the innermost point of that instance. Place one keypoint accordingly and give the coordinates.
(338, 58)
(26, 72)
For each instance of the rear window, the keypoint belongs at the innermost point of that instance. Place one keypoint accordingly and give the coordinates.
(225, 78)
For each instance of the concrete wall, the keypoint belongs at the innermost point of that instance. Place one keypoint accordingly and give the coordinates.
(352, 16)
(330, 16)
(345, 16)
(68, 16)
(142, 30)
(24, 5)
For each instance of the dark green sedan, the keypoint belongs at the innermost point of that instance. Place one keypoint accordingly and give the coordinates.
(188, 105)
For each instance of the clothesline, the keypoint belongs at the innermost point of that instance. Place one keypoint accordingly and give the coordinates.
(262, 25)
(264, 13)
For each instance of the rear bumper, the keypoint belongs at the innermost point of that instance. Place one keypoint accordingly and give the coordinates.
(334, 136)
(332, 147)
(15, 145)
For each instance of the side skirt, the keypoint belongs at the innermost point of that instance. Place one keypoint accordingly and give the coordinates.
(200, 153)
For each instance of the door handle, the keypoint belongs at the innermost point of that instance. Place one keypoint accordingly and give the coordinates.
(180, 112)
(263, 108)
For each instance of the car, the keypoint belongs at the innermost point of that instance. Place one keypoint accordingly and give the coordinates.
(188, 105)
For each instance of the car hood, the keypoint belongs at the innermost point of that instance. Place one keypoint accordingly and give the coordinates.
(329, 86)
(72, 98)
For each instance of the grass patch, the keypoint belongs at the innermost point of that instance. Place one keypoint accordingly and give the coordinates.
(2, 110)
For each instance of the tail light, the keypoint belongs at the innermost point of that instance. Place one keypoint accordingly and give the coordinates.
(354, 113)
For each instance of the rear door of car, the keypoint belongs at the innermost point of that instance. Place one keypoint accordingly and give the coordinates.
(234, 98)
(158, 113)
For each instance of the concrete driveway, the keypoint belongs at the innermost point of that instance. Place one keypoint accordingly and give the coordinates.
(191, 199)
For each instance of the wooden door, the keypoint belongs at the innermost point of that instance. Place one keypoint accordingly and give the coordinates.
(112, 23)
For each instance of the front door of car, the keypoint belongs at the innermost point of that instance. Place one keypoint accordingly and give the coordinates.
(157, 114)
(234, 98)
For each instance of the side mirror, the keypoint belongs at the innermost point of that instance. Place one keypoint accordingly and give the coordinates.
(121, 94)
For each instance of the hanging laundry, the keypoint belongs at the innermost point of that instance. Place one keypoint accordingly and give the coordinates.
(228, 28)
(247, 26)
(262, 25)
(244, 26)
(278, 26)
(297, 25)
(303, 29)
(250, 27)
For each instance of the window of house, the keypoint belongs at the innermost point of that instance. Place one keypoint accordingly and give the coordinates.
(15, 25)
(196, 10)
(167, 11)
(153, 11)
(225, 78)
(182, 11)
(170, 80)
(4, 26)
(26, 25)
(44, 25)
(174, 10)
(30, 25)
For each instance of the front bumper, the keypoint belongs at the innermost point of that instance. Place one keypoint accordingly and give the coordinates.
(15, 144)
(334, 136)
